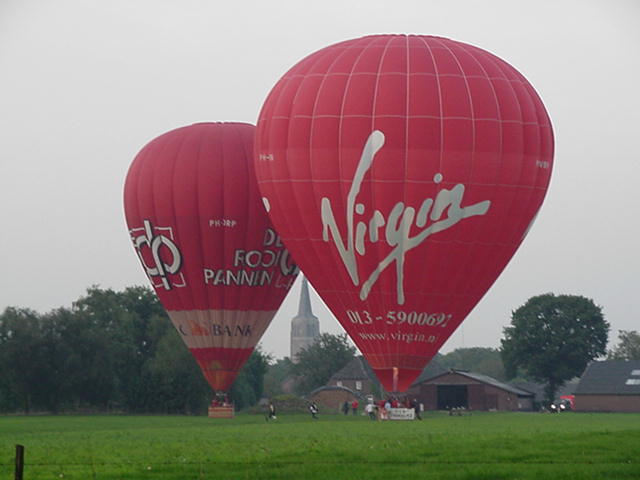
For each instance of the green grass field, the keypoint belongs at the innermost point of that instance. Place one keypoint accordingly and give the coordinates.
(487, 446)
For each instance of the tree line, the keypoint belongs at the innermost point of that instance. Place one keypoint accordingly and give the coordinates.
(551, 340)
(112, 352)
(118, 352)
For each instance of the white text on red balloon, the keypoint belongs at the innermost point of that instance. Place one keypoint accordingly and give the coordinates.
(257, 267)
(398, 222)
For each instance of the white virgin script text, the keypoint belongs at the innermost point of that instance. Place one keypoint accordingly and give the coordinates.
(398, 222)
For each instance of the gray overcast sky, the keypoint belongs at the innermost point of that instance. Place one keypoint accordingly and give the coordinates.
(85, 84)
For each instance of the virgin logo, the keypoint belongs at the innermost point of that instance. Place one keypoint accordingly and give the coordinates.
(433, 216)
(159, 254)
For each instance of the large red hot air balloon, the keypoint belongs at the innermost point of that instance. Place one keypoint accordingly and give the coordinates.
(402, 173)
(206, 243)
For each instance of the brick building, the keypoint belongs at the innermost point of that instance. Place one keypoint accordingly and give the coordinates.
(473, 391)
(358, 377)
(330, 398)
(609, 386)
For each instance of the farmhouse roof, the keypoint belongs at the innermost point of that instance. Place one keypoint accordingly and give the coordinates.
(334, 388)
(568, 388)
(496, 383)
(356, 369)
(433, 369)
(484, 379)
(359, 369)
(610, 378)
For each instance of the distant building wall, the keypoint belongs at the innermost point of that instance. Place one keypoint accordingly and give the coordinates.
(607, 403)
(331, 401)
(362, 386)
(480, 396)
(525, 404)
(428, 396)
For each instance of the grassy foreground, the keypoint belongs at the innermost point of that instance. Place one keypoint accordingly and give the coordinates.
(489, 446)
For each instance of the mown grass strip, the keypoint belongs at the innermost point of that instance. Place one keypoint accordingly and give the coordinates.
(474, 446)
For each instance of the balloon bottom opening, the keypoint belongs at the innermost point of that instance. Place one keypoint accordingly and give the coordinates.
(220, 380)
(396, 380)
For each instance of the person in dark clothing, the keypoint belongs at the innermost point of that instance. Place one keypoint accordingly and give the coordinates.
(345, 407)
(271, 414)
(416, 408)
(313, 409)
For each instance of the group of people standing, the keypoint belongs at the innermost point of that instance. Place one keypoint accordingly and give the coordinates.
(353, 406)
(379, 411)
(384, 406)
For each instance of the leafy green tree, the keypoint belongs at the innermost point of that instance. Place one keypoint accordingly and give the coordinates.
(8, 400)
(93, 355)
(110, 350)
(58, 352)
(174, 381)
(277, 373)
(318, 362)
(82, 356)
(248, 387)
(486, 361)
(132, 323)
(628, 347)
(36, 360)
(552, 338)
(27, 372)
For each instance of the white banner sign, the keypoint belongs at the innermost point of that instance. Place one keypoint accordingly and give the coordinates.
(401, 414)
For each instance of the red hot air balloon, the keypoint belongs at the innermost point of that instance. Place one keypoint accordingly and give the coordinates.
(402, 172)
(206, 243)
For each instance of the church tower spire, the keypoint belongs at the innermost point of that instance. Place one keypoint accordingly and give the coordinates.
(304, 308)
(305, 327)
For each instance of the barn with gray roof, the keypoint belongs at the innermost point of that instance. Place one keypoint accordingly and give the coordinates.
(473, 391)
(609, 386)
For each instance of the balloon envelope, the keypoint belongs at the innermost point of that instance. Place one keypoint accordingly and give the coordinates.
(205, 241)
(402, 172)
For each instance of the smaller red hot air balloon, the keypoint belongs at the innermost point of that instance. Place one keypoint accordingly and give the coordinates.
(205, 241)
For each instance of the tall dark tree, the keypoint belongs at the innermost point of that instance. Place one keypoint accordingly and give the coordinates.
(552, 338)
(64, 374)
(628, 347)
(108, 351)
(486, 361)
(23, 362)
(277, 373)
(172, 379)
(248, 387)
(318, 362)
(132, 322)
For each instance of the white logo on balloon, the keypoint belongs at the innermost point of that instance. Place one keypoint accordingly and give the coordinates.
(147, 236)
(397, 223)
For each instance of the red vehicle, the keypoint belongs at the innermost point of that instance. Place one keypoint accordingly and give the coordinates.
(568, 399)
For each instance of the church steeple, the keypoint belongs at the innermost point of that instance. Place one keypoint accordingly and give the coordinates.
(304, 308)
(305, 327)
